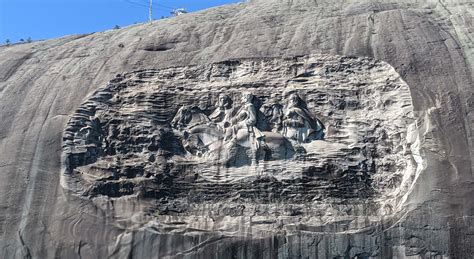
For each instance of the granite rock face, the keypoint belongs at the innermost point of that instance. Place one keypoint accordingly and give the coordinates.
(360, 146)
(134, 138)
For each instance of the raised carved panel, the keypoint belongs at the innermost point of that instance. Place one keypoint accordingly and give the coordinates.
(317, 129)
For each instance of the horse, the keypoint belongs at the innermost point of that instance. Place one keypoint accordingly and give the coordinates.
(199, 134)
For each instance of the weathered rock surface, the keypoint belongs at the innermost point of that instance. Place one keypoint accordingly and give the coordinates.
(50, 209)
(125, 139)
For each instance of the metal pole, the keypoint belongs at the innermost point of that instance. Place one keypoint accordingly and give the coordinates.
(151, 11)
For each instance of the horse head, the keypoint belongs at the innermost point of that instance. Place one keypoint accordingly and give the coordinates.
(189, 116)
(182, 118)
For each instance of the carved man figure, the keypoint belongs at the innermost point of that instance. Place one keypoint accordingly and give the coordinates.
(222, 114)
(299, 124)
(242, 138)
(243, 124)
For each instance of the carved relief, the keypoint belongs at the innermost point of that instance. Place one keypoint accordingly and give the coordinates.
(319, 129)
(235, 129)
(299, 124)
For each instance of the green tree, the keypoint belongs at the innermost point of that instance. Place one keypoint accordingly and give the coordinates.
(8, 42)
(29, 40)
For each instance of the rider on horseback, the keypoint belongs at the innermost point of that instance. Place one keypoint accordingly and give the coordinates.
(243, 128)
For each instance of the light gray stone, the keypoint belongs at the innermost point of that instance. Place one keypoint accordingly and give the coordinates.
(43, 84)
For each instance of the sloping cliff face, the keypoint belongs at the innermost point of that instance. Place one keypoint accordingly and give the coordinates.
(44, 85)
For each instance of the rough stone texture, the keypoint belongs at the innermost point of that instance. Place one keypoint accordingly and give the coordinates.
(42, 84)
(123, 140)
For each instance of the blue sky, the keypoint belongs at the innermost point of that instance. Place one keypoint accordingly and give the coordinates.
(45, 19)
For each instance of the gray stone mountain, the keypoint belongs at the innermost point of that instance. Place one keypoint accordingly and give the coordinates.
(264, 129)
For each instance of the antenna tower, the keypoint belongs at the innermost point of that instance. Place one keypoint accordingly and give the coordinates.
(151, 11)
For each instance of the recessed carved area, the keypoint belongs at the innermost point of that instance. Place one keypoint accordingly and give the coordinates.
(159, 47)
(306, 130)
